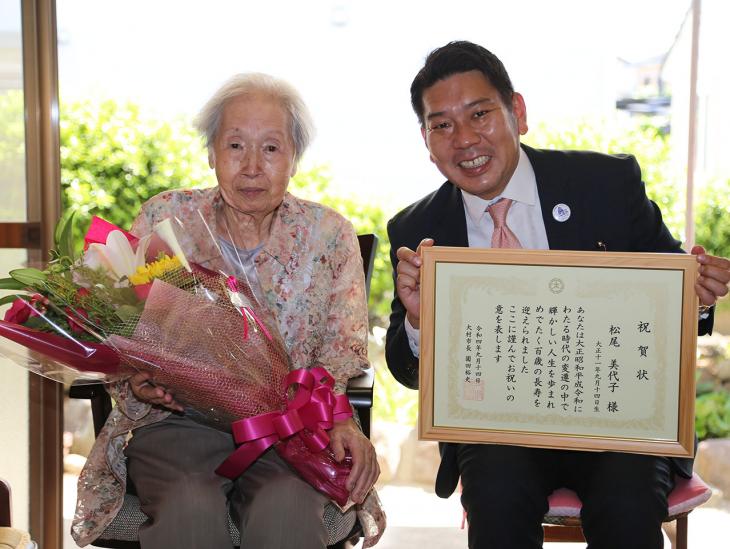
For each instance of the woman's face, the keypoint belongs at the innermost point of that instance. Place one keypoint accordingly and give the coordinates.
(253, 155)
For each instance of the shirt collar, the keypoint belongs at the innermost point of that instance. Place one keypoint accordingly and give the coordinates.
(522, 187)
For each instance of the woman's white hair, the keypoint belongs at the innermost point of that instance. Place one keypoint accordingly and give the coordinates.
(255, 83)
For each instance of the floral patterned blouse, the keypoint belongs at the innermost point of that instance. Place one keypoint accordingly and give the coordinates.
(310, 272)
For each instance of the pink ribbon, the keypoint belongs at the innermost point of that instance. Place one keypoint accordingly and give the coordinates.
(309, 414)
(99, 230)
(246, 312)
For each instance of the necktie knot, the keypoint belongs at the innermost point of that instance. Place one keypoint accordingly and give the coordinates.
(502, 237)
(498, 211)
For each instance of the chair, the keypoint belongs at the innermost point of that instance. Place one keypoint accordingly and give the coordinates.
(9, 536)
(562, 521)
(4, 503)
(123, 530)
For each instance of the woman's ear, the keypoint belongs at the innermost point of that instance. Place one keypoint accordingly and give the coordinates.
(211, 159)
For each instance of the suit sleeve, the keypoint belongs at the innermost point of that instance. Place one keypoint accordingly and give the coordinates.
(398, 355)
(648, 231)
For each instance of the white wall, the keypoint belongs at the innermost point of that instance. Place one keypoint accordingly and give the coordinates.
(14, 455)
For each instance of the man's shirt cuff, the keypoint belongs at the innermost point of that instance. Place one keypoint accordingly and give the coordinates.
(703, 313)
(414, 337)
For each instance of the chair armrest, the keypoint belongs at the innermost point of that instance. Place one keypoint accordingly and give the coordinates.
(360, 389)
(360, 392)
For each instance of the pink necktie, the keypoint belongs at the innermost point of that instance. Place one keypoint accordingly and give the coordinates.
(502, 237)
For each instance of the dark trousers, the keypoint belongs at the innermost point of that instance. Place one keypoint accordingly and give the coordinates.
(172, 465)
(505, 490)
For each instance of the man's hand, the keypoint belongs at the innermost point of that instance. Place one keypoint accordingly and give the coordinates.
(408, 280)
(346, 435)
(156, 395)
(714, 276)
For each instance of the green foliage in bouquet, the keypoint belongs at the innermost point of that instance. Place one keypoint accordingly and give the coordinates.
(62, 257)
(56, 292)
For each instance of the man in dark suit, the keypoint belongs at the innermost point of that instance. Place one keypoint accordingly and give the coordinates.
(471, 121)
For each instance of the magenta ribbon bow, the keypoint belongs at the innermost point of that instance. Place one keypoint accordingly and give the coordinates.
(309, 414)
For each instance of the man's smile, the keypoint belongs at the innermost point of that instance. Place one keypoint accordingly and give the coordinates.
(475, 163)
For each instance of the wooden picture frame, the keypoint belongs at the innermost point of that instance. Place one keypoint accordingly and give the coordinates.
(558, 349)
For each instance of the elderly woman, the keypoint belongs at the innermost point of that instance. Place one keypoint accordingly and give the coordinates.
(306, 259)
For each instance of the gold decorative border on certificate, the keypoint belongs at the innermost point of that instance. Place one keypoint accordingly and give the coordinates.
(457, 290)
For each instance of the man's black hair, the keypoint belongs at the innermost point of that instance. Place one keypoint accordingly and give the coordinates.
(457, 57)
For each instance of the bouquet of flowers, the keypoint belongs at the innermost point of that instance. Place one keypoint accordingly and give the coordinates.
(129, 304)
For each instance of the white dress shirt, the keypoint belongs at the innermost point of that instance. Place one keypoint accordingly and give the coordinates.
(524, 218)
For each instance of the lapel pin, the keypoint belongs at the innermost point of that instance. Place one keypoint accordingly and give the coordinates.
(561, 212)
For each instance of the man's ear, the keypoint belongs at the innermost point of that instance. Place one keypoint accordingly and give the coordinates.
(519, 111)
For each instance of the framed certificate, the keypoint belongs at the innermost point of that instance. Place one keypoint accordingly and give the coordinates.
(554, 349)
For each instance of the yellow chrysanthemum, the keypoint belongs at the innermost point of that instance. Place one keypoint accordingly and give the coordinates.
(156, 269)
(139, 277)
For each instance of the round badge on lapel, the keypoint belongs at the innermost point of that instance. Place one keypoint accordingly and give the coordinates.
(561, 212)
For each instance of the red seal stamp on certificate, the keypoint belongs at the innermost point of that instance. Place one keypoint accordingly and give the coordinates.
(473, 391)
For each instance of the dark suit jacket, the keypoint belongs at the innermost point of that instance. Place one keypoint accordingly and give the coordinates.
(608, 204)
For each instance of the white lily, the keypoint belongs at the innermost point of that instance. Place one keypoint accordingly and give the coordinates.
(165, 231)
(117, 256)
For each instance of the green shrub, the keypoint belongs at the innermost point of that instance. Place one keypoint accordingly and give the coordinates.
(712, 221)
(392, 402)
(12, 156)
(113, 158)
(712, 415)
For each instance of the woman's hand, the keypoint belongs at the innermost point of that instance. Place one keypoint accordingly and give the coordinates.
(346, 435)
(156, 395)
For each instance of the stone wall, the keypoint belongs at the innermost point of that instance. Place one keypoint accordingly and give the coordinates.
(712, 463)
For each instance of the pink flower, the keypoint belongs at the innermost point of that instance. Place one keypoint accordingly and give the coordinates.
(80, 294)
(73, 324)
(18, 313)
(21, 310)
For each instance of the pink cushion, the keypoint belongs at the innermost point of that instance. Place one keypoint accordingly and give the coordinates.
(687, 494)
(564, 503)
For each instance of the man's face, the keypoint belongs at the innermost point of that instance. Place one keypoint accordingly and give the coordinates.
(473, 137)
